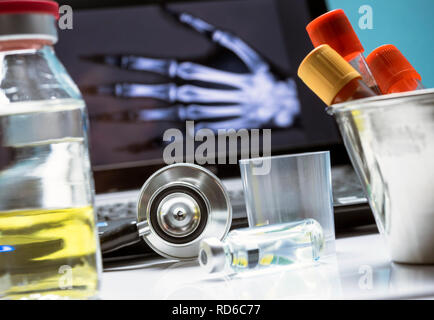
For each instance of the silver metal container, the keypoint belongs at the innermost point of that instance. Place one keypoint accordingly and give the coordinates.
(390, 140)
(179, 205)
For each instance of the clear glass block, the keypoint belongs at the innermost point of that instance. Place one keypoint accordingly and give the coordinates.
(290, 188)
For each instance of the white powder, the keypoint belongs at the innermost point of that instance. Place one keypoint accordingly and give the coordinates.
(403, 145)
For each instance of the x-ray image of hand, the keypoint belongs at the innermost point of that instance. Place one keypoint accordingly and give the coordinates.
(213, 98)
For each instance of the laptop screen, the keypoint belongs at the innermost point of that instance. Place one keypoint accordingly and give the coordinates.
(147, 73)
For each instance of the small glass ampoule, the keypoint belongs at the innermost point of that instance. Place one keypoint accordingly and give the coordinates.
(264, 246)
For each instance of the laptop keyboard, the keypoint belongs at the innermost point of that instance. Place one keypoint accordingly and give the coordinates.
(111, 212)
(347, 190)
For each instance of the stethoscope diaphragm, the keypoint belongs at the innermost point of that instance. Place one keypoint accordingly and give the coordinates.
(178, 206)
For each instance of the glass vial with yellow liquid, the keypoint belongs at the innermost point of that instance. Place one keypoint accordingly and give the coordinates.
(263, 247)
(48, 241)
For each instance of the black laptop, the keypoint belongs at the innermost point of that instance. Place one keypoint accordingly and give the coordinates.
(146, 68)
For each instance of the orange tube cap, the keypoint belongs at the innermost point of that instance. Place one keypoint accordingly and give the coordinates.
(389, 66)
(325, 72)
(334, 28)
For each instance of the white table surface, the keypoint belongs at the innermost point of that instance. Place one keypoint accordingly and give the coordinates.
(361, 269)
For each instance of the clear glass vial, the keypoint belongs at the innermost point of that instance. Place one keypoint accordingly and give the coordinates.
(48, 241)
(262, 247)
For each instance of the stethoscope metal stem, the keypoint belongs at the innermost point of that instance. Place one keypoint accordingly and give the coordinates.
(143, 228)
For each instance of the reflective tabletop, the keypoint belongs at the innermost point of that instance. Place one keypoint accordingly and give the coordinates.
(361, 269)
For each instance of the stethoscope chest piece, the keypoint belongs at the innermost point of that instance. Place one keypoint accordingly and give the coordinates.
(178, 206)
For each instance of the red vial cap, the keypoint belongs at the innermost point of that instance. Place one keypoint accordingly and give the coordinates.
(29, 6)
(334, 28)
(389, 66)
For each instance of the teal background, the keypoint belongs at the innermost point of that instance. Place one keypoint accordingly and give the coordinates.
(407, 24)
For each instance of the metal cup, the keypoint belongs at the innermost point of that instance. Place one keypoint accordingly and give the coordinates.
(390, 140)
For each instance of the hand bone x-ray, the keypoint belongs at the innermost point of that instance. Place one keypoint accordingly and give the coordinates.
(254, 99)
(226, 65)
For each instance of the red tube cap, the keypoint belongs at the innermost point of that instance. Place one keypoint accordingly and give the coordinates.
(334, 28)
(389, 66)
(29, 6)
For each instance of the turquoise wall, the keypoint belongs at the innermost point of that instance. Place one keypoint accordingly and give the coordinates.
(407, 24)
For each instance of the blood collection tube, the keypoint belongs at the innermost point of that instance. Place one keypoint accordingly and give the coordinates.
(334, 28)
(332, 79)
(393, 71)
